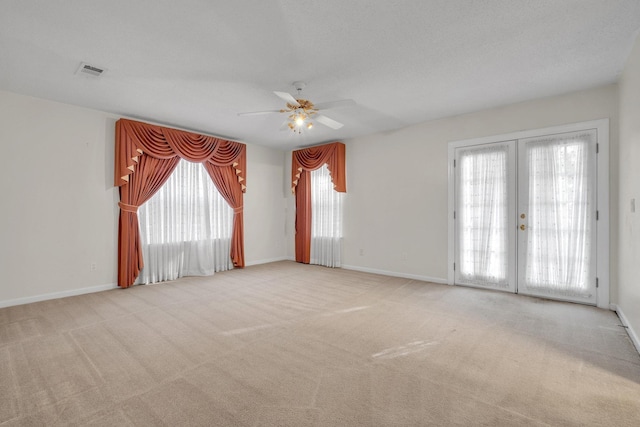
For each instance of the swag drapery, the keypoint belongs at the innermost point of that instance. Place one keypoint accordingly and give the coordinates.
(145, 157)
(302, 163)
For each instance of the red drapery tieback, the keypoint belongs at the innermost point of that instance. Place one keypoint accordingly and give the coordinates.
(128, 208)
(146, 155)
(302, 163)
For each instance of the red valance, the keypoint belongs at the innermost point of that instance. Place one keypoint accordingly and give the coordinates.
(312, 158)
(146, 155)
(135, 138)
(302, 162)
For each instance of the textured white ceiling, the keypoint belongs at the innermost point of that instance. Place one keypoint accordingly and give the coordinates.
(196, 64)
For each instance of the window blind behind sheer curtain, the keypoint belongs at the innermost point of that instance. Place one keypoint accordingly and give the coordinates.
(326, 220)
(185, 227)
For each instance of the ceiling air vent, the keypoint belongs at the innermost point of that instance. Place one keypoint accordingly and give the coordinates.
(90, 70)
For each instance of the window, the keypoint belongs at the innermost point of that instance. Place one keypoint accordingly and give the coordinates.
(326, 220)
(185, 227)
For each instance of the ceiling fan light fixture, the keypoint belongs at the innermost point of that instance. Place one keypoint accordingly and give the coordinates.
(301, 111)
(300, 119)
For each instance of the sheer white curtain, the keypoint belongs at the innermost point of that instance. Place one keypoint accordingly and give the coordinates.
(185, 227)
(483, 208)
(326, 220)
(561, 208)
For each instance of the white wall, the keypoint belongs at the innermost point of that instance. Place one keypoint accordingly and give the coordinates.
(264, 206)
(59, 213)
(396, 205)
(629, 230)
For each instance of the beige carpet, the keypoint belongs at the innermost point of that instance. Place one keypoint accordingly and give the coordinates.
(285, 344)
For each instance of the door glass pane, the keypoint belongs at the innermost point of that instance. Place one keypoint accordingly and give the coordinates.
(482, 223)
(560, 197)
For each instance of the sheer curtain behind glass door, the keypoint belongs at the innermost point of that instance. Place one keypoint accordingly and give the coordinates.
(326, 220)
(185, 227)
(482, 215)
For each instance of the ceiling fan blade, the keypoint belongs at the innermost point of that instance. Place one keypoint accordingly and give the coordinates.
(287, 97)
(328, 122)
(256, 113)
(335, 104)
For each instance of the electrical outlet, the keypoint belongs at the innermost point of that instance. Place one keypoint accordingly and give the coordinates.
(93, 266)
(361, 252)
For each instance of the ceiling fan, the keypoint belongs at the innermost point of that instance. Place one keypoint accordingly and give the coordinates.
(302, 112)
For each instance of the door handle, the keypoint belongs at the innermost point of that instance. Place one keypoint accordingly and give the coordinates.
(522, 227)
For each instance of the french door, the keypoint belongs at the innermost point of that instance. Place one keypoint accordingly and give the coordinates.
(525, 215)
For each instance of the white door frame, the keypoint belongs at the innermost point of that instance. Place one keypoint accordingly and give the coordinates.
(602, 171)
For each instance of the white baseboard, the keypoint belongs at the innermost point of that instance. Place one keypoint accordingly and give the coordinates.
(99, 288)
(54, 295)
(632, 333)
(267, 261)
(396, 274)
